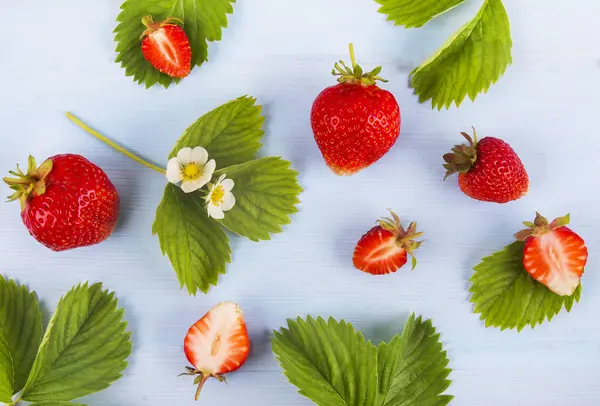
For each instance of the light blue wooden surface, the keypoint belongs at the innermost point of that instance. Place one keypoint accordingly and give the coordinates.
(58, 56)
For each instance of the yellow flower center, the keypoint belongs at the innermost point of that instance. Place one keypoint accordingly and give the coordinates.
(217, 195)
(191, 171)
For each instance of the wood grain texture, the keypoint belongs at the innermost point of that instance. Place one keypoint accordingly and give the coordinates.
(58, 56)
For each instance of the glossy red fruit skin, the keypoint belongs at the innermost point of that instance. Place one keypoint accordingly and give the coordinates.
(354, 125)
(498, 175)
(79, 207)
(180, 54)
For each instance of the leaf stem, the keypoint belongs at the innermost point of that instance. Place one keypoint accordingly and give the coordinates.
(15, 403)
(107, 141)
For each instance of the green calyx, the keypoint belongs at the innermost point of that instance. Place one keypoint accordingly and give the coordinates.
(151, 26)
(28, 184)
(462, 157)
(201, 379)
(355, 74)
(541, 226)
(405, 238)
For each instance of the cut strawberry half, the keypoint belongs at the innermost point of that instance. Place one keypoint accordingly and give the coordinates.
(167, 47)
(217, 344)
(384, 249)
(554, 255)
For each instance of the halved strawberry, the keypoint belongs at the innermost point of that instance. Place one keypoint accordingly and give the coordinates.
(217, 344)
(554, 255)
(167, 47)
(384, 248)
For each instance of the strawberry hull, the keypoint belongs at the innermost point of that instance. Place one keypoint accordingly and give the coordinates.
(354, 125)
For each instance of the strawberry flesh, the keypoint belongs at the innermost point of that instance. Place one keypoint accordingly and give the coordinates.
(168, 49)
(556, 259)
(217, 344)
(379, 253)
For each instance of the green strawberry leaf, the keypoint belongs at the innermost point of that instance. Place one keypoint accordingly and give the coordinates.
(203, 21)
(471, 61)
(83, 350)
(329, 362)
(196, 245)
(507, 297)
(412, 368)
(411, 13)
(20, 336)
(55, 403)
(230, 133)
(266, 192)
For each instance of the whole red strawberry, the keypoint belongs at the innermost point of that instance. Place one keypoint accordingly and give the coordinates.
(217, 344)
(554, 255)
(167, 47)
(384, 248)
(488, 170)
(354, 122)
(67, 202)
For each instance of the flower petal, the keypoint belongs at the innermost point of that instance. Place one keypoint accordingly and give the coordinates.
(209, 195)
(215, 212)
(209, 168)
(199, 155)
(228, 201)
(174, 171)
(189, 187)
(185, 156)
(228, 184)
(221, 178)
(204, 179)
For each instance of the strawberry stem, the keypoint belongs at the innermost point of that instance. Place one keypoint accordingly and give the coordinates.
(355, 73)
(105, 140)
(200, 385)
(352, 57)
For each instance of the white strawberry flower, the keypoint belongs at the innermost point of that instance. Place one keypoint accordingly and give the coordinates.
(191, 167)
(220, 199)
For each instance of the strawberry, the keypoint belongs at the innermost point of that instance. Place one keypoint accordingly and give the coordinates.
(67, 202)
(554, 255)
(354, 122)
(488, 170)
(167, 47)
(217, 344)
(384, 248)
